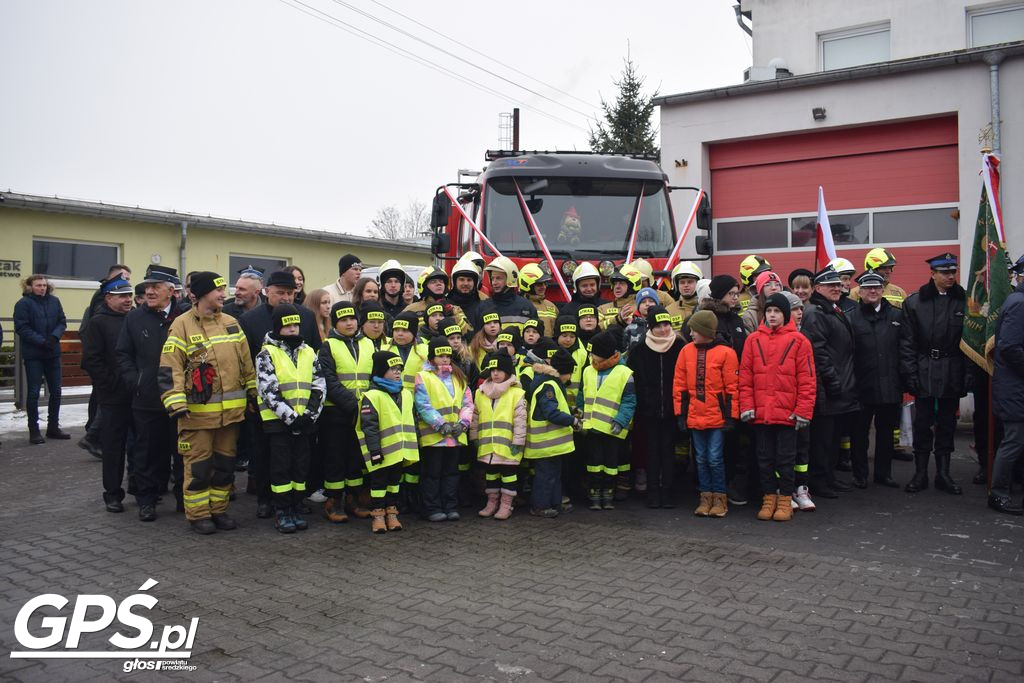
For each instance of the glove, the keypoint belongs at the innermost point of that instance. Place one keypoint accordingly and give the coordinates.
(376, 458)
(746, 416)
(801, 422)
(459, 428)
(616, 428)
(577, 425)
(301, 424)
(681, 424)
(730, 424)
(180, 412)
(445, 429)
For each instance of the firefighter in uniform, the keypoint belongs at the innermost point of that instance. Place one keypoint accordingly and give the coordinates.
(533, 284)
(433, 288)
(465, 292)
(750, 268)
(647, 279)
(684, 283)
(207, 381)
(626, 282)
(512, 308)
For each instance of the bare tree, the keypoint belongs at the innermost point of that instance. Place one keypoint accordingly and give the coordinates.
(392, 224)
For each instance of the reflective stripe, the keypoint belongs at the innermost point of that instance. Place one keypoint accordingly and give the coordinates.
(352, 483)
(393, 488)
(171, 399)
(334, 485)
(800, 468)
(219, 494)
(281, 488)
(298, 486)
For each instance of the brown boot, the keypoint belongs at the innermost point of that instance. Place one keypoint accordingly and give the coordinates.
(334, 511)
(492, 503)
(377, 524)
(767, 507)
(354, 508)
(505, 509)
(719, 505)
(704, 508)
(391, 518)
(783, 509)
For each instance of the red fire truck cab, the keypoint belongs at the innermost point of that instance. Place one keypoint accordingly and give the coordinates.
(560, 209)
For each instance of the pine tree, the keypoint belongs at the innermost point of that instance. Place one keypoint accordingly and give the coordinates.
(627, 126)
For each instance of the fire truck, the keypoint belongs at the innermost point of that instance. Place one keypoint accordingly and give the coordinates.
(561, 209)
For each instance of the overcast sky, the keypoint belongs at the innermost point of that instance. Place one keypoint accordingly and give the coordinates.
(254, 109)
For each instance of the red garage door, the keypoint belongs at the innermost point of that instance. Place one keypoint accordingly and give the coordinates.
(894, 185)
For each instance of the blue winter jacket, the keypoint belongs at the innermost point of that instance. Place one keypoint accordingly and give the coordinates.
(37, 319)
(1008, 380)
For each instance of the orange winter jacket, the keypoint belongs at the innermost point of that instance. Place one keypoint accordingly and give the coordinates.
(706, 385)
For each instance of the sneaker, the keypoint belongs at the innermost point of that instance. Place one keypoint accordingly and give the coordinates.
(317, 497)
(641, 481)
(147, 513)
(735, 496)
(437, 517)
(284, 523)
(452, 516)
(802, 499)
(549, 513)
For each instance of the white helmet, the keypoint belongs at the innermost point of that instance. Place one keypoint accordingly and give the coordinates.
(582, 272)
(466, 267)
(687, 269)
(474, 257)
(503, 264)
(842, 266)
(391, 268)
(645, 269)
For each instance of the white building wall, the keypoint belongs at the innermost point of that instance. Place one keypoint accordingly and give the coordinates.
(688, 129)
(790, 28)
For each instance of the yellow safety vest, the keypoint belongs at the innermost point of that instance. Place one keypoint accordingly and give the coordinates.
(582, 359)
(444, 403)
(397, 429)
(546, 439)
(354, 374)
(413, 363)
(601, 404)
(495, 424)
(295, 379)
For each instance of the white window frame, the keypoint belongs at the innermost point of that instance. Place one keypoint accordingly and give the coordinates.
(854, 32)
(984, 10)
(75, 283)
(870, 211)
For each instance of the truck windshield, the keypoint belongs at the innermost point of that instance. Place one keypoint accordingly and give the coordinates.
(578, 215)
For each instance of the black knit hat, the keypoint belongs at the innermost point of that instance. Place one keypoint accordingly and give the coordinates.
(384, 361)
(510, 335)
(657, 315)
(406, 321)
(342, 309)
(439, 346)
(497, 361)
(448, 327)
(346, 262)
(562, 361)
(566, 324)
(371, 310)
(545, 348)
(204, 282)
(281, 278)
(720, 285)
(284, 315)
(781, 302)
(603, 345)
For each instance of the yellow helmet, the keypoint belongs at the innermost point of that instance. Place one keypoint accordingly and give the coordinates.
(503, 264)
(630, 275)
(842, 266)
(646, 271)
(751, 267)
(686, 269)
(530, 275)
(879, 258)
(432, 273)
(583, 271)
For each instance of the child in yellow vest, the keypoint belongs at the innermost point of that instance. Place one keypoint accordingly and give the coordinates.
(499, 430)
(444, 410)
(291, 389)
(373, 323)
(549, 430)
(413, 353)
(486, 338)
(387, 438)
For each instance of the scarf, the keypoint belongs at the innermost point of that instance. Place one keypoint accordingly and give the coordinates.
(659, 344)
(605, 364)
(389, 385)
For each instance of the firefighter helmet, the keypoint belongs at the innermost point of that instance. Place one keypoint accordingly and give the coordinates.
(686, 269)
(646, 271)
(392, 268)
(583, 271)
(751, 267)
(630, 275)
(530, 275)
(503, 264)
(475, 258)
(432, 273)
(466, 267)
(842, 266)
(879, 258)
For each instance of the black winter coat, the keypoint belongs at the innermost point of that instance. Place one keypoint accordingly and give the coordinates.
(469, 303)
(572, 307)
(513, 309)
(392, 309)
(936, 324)
(654, 374)
(831, 336)
(883, 356)
(731, 329)
(138, 355)
(40, 323)
(99, 358)
(1008, 381)
(343, 398)
(259, 321)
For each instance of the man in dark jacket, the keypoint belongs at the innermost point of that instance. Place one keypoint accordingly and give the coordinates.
(514, 309)
(1008, 394)
(831, 335)
(40, 323)
(99, 360)
(935, 314)
(882, 361)
(586, 282)
(138, 360)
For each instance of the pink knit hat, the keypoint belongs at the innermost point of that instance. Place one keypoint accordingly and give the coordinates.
(764, 278)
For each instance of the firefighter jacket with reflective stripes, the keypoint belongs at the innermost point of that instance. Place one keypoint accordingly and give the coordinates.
(218, 341)
(547, 312)
(438, 401)
(346, 362)
(289, 382)
(681, 309)
(549, 427)
(608, 313)
(386, 425)
(499, 422)
(608, 397)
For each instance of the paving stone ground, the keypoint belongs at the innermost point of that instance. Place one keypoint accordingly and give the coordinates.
(879, 585)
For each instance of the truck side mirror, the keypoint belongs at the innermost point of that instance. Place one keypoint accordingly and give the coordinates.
(440, 243)
(704, 214)
(440, 211)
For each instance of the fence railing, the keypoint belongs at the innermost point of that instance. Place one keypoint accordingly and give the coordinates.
(12, 370)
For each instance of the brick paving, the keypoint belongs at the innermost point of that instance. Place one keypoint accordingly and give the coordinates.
(879, 585)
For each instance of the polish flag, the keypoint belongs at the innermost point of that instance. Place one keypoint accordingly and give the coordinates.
(825, 249)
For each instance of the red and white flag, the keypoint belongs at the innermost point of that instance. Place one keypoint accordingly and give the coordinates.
(825, 250)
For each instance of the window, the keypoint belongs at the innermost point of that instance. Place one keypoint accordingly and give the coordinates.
(1003, 24)
(73, 260)
(747, 235)
(847, 228)
(268, 264)
(844, 49)
(921, 225)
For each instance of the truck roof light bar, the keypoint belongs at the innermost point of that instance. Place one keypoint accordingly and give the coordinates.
(494, 154)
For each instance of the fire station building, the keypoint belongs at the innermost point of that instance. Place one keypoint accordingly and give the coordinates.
(886, 104)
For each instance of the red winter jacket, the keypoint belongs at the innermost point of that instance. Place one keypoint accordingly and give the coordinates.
(777, 377)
